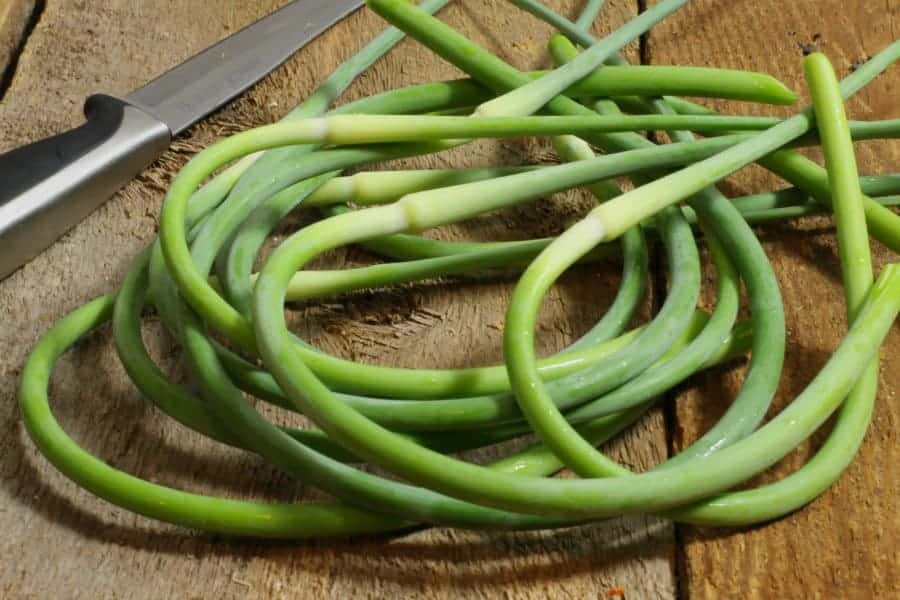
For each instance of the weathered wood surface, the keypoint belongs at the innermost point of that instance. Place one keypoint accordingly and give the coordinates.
(59, 541)
(844, 545)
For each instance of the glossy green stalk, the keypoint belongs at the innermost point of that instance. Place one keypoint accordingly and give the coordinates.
(369, 129)
(616, 216)
(623, 83)
(767, 311)
(659, 378)
(206, 513)
(792, 166)
(153, 500)
(758, 389)
(594, 498)
(529, 98)
(843, 180)
(297, 250)
(418, 211)
(789, 494)
(832, 458)
(580, 35)
(754, 398)
(589, 13)
(368, 188)
(247, 199)
(882, 224)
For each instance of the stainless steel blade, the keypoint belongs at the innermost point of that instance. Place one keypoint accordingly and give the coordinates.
(203, 83)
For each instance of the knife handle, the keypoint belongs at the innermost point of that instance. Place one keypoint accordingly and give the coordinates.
(50, 185)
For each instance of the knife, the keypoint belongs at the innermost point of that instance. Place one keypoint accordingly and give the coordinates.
(50, 185)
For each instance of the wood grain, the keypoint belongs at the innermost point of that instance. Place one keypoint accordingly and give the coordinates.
(844, 545)
(59, 541)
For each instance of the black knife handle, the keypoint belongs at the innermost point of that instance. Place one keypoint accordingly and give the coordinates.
(50, 185)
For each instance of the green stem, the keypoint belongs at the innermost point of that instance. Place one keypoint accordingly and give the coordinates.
(527, 99)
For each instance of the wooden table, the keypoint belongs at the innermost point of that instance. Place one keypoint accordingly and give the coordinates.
(58, 541)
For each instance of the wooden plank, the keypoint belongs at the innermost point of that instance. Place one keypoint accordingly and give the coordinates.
(14, 15)
(844, 544)
(60, 541)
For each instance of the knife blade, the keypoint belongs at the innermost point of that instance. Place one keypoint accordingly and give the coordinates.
(50, 185)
